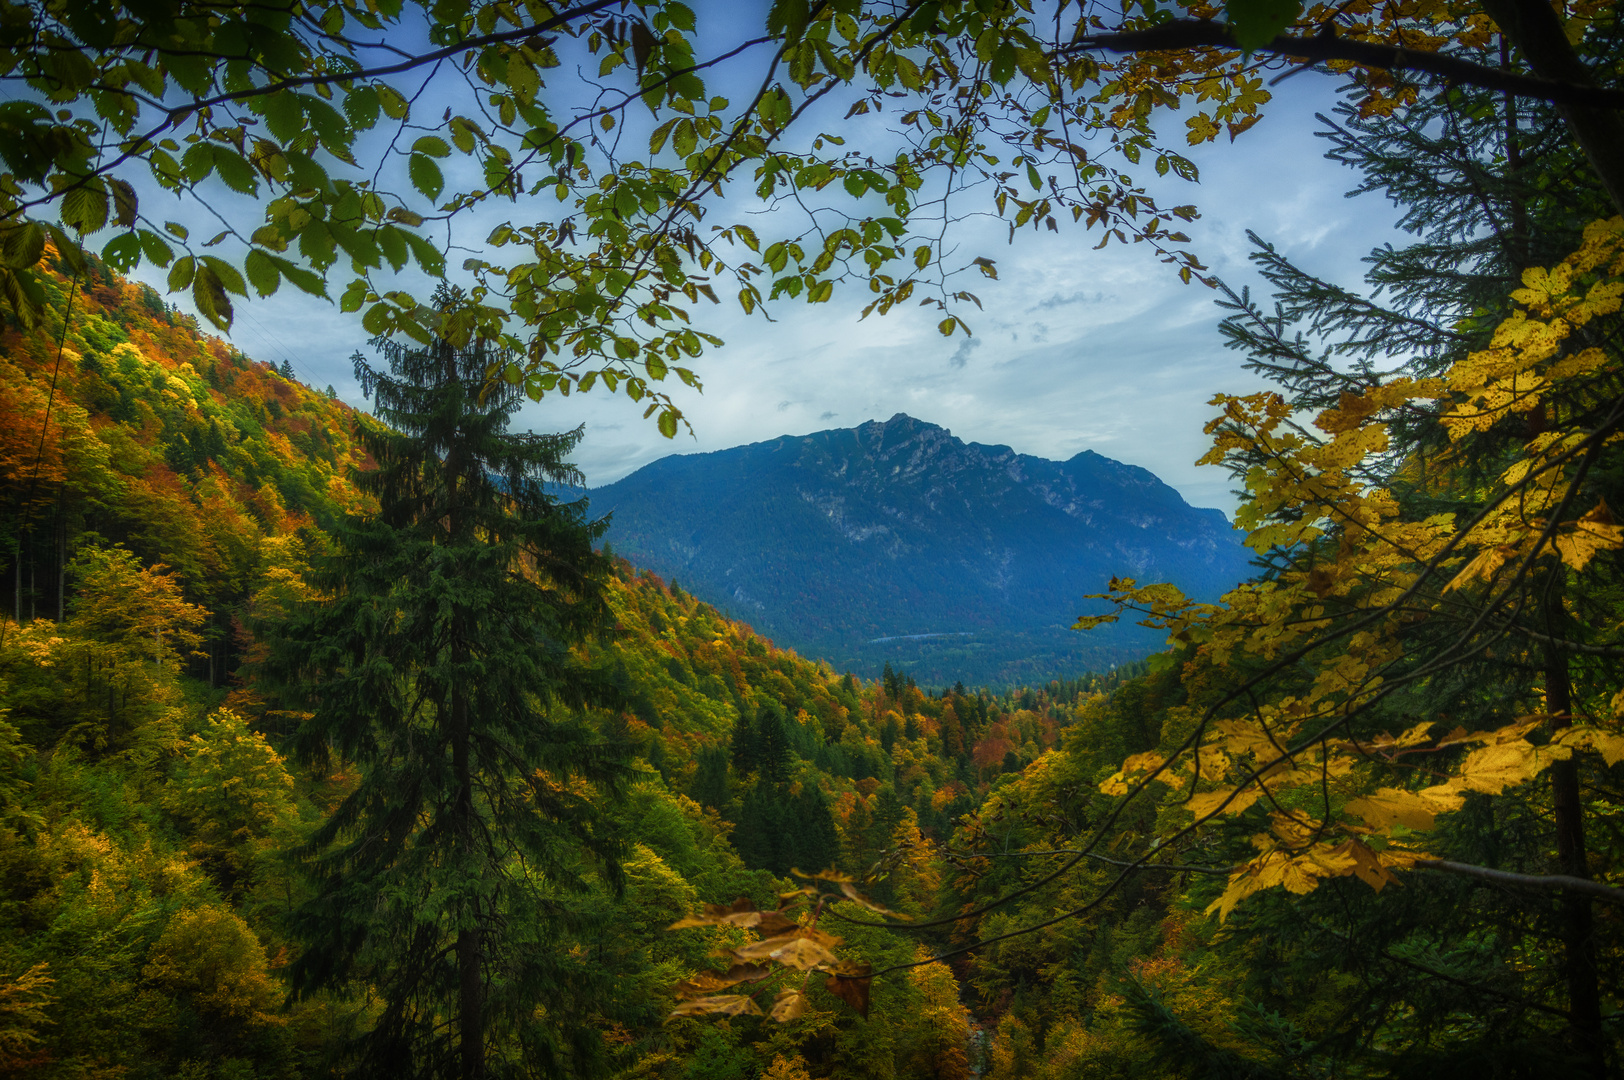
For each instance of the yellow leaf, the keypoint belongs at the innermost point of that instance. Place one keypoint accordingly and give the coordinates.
(1202, 129)
(1366, 866)
(1592, 533)
(1611, 747)
(1394, 806)
(1208, 803)
(1485, 566)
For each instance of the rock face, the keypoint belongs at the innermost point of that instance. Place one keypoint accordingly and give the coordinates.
(897, 542)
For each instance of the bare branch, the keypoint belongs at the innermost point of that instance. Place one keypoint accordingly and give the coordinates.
(1196, 33)
(1548, 882)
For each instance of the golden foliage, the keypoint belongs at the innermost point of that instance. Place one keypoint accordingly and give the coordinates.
(1340, 620)
(210, 954)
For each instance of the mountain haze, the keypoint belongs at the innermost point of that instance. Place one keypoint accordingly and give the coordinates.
(896, 542)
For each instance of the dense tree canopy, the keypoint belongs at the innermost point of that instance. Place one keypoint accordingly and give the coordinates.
(313, 118)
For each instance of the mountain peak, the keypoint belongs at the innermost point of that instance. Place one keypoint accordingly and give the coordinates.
(898, 530)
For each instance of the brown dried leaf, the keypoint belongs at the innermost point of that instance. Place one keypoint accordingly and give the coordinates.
(710, 981)
(858, 898)
(742, 912)
(850, 984)
(790, 1005)
(804, 954)
(761, 950)
(771, 922)
(719, 1005)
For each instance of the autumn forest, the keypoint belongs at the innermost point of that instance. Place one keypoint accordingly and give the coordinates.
(340, 743)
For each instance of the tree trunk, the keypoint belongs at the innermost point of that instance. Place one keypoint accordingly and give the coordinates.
(61, 554)
(470, 959)
(1578, 940)
(1533, 28)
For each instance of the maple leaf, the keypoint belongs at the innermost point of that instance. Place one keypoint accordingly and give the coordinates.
(1210, 802)
(1395, 806)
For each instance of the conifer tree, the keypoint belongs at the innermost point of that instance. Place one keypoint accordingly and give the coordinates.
(772, 745)
(744, 747)
(709, 786)
(441, 666)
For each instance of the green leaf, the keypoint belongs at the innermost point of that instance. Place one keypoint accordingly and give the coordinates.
(209, 294)
(124, 202)
(180, 275)
(262, 272)
(316, 245)
(123, 252)
(392, 242)
(432, 145)
(656, 141)
(361, 106)
(425, 175)
(304, 280)
(154, 248)
(227, 275)
(786, 17)
(684, 138)
(376, 319)
(429, 257)
(22, 245)
(283, 117)
(235, 171)
(353, 297)
(85, 207)
(668, 424)
(1255, 23)
(197, 162)
(394, 106)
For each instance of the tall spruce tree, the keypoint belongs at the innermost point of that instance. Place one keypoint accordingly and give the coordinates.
(772, 744)
(440, 667)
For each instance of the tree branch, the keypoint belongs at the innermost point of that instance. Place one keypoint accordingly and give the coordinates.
(1546, 882)
(1195, 33)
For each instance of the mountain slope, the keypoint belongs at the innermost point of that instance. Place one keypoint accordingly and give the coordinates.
(896, 542)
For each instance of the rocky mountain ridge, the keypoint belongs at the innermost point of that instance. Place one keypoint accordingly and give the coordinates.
(896, 542)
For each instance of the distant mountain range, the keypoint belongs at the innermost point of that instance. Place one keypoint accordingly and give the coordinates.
(896, 542)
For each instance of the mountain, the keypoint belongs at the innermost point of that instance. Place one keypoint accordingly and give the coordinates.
(897, 543)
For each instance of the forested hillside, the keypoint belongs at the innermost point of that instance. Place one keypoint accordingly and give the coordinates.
(155, 822)
(1110, 890)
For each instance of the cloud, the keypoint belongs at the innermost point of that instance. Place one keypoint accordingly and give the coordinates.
(961, 356)
(828, 416)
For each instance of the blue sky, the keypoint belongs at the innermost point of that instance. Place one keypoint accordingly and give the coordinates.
(1078, 349)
